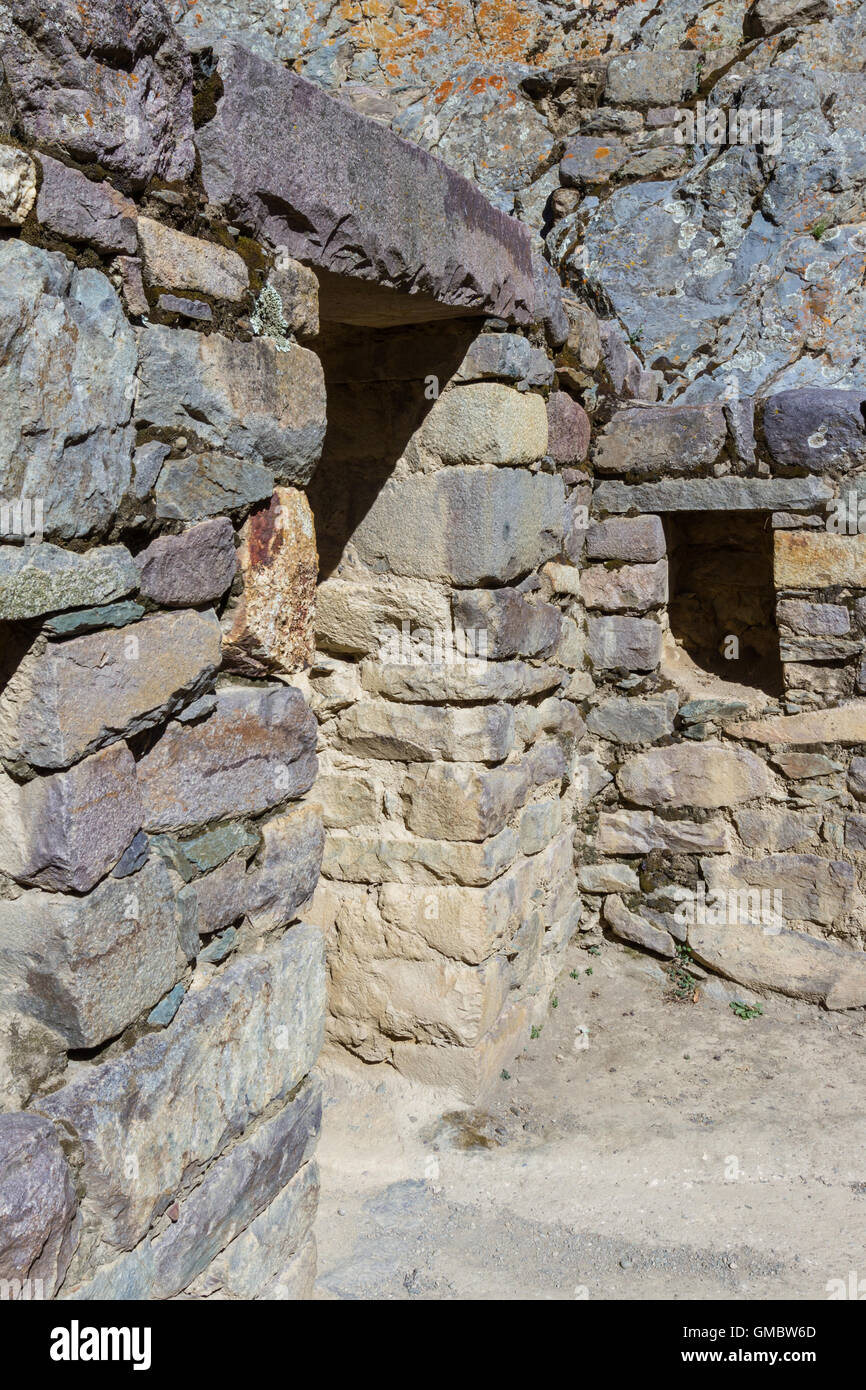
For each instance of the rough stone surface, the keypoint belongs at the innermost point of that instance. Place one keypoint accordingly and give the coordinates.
(425, 733)
(568, 430)
(789, 961)
(630, 720)
(272, 625)
(458, 681)
(713, 494)
(256, 750)
(708, 775)
(82, 694)
(236, 1046)
(663, 440)
(17, 186)
(361, 615)
(513, 625)
(105, 85)
(38, 1229)
(283, 158)
(640, 832)
(639, 539)
(74, 207)
(505, 357)
(632, 643)
(298, 289)
(203, 485)
(844, 724)
(89, 966)
(486, 423)
(461, 526)
(67, 364)
(42, 578)
(64, 832)
(816, 429)
(174, 261)
(810, 888)
(803, 560)
(246, 399)
(632, 588)
(188, 570)
(628, 926)
(459, 801)
(31, 1056)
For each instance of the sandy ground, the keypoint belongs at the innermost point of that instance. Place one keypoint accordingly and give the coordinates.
(644, 1146)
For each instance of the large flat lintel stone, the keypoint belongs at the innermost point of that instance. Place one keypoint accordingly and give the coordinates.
(342, 193)
(713, 494)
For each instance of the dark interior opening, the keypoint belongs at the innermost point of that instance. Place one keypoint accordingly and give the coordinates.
(721, 587)
(380, 384)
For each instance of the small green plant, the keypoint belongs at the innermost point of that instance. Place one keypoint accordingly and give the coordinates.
(635, 336)
(574, 974)
(588, 970)
(819, 228)
(682, 979)
(746, 1011)
(554, 1002)
(593, 950)
(505, 1075)
(535, 1031)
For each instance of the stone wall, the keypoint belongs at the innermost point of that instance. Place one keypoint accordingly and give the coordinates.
(163, 410)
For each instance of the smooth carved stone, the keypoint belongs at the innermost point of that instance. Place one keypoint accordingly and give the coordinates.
(65, 832)
(67, 381)
(426, 733)
(82, 694)
(194, 568)
(633, 644)
(807, 560)
(568, 430)
(639, 539)
(106, 85)
(282, 158)
(89, 966)
(256, 750)
(247, 399)
(486, 423)
(77, 208)
(631, 587)
(629, 927)
(272, 625)
(176, 1098)
(376, 859)
(791, 962)
(640, 832)
(844, 724)
(460, 801)
(505, 357)
(708, 775)
(231, 1198)
(361, 615)
(38, 578)
(816, 428)
(460, 525)
(203, 485)
(629, 720)
(38, 1208)
(661, 440)
(512, 624)
(459, 681)
(17, 186)
(175, 261)
(713, 494)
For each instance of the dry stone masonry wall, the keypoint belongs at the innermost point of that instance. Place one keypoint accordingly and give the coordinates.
(376, 616)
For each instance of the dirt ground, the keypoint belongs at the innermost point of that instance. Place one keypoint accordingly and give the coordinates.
(642, 1147)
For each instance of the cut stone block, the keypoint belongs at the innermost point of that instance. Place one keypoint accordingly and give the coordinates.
(203, 485)
(845, 724)
(633, 644)
(360, 616)
(511, 624)
(194, 568)
(41, 578)
(459, 681)
(631, 587)
(486, 423)
(38, 1226)
(76, 208)
(64, 832)
(816, 428)
(657, 441)
(174, 261)
(706, 774)
(816, 560)
(89, 966)
(425, 733)
(175, 1099)
(714, 494)
(255, 751)
(810, 888)
(90, 691)
(271, 626)
(791, 962)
